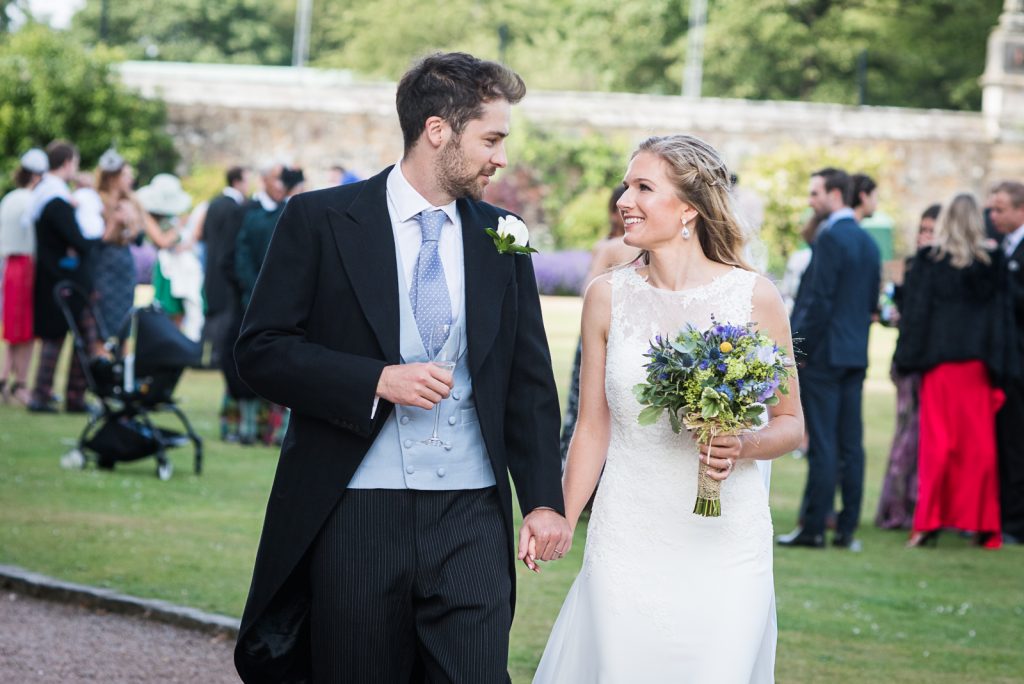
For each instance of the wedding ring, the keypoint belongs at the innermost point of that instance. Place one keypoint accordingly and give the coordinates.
(729, 461)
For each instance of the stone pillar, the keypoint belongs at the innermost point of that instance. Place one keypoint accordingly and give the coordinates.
(1003, 93)
(1003, 81)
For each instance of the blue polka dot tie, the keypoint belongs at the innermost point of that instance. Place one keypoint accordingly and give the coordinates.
(431, 302)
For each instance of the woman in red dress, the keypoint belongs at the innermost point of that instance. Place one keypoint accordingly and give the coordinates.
(955, 330)
(17, 249)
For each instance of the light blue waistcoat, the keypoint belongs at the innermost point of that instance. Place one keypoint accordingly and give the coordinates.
(397, 459)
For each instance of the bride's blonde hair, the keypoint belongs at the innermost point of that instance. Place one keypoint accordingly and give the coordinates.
(702, 180)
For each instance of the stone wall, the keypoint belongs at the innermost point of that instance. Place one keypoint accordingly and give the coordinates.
(225, 114)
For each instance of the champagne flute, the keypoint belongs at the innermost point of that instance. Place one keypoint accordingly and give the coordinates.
(444, 338)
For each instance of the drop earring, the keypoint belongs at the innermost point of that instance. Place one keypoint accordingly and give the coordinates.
(686, 230)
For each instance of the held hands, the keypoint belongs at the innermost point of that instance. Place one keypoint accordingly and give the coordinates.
(725, 451)
(545, 535)
(415, 384)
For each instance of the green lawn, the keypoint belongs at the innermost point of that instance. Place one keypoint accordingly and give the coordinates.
(951, 614)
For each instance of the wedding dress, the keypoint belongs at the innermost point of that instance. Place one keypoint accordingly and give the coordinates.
(665, 595)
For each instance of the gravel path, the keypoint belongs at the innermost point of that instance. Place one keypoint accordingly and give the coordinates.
(43, 642)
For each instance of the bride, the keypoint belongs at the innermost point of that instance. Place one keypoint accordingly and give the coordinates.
(665, 595)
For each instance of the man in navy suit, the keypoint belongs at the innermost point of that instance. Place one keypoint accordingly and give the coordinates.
(831, 318)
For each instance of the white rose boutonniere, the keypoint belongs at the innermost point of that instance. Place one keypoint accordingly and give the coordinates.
(511, 236)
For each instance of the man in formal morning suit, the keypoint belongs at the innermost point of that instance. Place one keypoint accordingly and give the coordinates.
(220, 227)
(384, 558)
(1007, 213)
(831, 318)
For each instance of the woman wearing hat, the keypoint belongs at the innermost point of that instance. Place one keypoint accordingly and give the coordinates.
(177, 275)
(17, 248)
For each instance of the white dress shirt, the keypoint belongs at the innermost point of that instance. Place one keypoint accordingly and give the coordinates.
(234, 194)
(404, 206)
(1011, 241)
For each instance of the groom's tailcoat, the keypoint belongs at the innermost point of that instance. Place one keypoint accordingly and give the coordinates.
(322, 324)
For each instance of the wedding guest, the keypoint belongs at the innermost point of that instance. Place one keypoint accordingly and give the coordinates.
(17, 249)
(339, 175)
(953, 331)
(832, 313)
(220, 290)
(88, 206)
(251, 247)
(220, 228)
(864, 196)
(1008, 218)
(609, 252)
(114, 277)
(899, 488)
(177, 275)
(240, 416)
(62, 253)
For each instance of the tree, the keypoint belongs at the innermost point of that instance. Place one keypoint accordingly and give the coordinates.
(927, 53)
(240, 31)
(52, 89)
(571, 45)
(9, 9)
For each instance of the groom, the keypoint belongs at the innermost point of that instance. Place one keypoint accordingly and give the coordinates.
(384, 558)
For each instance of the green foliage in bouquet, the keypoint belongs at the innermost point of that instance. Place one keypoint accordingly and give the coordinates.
(712, 382)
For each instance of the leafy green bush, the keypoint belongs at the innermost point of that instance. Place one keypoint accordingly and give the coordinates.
(576, 173)
(51, 88)
(782, 177)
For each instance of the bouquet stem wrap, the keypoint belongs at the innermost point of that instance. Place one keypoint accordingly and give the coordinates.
(709, 490)
(709, 502)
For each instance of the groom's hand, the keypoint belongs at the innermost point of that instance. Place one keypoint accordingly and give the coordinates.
(414, 384)
(545, 535)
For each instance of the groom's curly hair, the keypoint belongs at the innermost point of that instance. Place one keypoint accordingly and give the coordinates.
(454, 86)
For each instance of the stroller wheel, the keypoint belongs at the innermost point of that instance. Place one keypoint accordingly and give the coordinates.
(164, 470)
(73, 460)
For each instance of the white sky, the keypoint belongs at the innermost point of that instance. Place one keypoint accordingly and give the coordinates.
(57, 13)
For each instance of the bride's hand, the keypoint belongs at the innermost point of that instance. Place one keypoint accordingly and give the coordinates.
(725, 451)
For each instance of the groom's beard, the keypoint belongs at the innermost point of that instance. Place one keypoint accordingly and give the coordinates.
(456, 177)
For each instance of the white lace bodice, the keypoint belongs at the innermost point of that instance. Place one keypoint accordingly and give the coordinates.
(652, 468)
(641, 311)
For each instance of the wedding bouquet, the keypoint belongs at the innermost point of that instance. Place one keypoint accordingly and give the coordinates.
(716, 382)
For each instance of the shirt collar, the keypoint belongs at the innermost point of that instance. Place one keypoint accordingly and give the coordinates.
(1013, 240)
(234, 194)
(838, 215)
(407, 202)
(268, 204)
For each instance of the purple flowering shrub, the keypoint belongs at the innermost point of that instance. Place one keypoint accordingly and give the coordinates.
(561, 273)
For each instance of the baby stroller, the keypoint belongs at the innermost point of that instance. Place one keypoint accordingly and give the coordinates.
(148, 354)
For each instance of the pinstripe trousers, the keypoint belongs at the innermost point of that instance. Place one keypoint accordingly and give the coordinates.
(411, 586)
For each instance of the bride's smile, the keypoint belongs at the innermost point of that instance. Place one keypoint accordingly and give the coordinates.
(651, 207)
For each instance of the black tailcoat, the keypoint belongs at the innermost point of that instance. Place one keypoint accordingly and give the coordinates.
(322, 324)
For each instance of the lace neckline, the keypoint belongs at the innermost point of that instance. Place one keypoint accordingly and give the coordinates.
(689, 291)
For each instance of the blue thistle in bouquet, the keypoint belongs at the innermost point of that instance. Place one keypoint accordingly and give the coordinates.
(718, 381)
